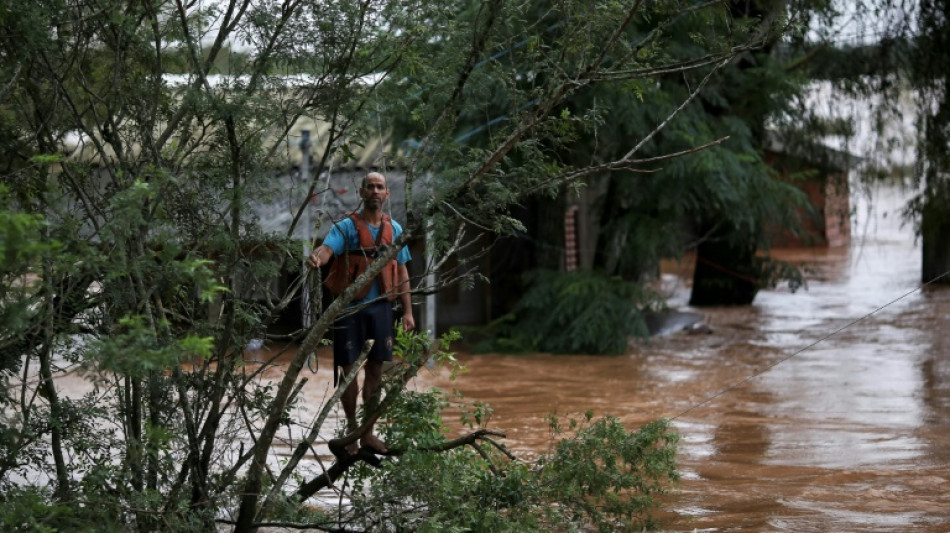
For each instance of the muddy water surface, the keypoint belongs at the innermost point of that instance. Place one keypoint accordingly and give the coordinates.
(823, 410)
(827, 410)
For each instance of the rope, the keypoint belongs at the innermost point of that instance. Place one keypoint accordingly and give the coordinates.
(314, 283)
(769, 367)
(314, 280)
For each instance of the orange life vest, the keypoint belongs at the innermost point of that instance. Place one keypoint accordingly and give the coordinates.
(355, 260)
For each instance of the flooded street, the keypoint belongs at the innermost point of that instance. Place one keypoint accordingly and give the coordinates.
(795, 413)
(826, 410)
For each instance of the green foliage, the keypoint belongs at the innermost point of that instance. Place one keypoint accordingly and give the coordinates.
(30, 510)
(576, 312)
(598, 474)
(134, 258)
(22, 248)
(134, 350)
(611, 475)
(411, 346)
(898, 67)
(773, 272)
(648, 216)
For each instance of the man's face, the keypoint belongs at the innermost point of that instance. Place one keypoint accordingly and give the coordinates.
(374, 191)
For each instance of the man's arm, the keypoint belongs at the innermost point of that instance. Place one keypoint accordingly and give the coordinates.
(403, 288)
(320, 256)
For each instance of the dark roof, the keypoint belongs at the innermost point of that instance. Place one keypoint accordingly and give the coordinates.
(800, 146)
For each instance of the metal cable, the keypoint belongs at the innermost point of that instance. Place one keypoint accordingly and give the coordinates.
(805, 348)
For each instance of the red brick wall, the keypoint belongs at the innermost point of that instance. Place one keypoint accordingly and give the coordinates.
(837, 210)
(828, 222)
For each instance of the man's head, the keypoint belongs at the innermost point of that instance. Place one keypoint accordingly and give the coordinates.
(374, 191)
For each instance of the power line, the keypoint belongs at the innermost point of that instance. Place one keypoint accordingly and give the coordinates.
(769, 367)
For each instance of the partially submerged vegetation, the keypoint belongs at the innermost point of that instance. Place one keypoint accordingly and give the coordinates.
(576, 312)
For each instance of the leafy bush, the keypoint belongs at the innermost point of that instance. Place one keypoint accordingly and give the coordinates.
(597, 474)
(605, 476)
(574, 312)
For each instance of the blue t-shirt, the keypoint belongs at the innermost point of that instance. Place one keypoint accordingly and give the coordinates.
(336, 242)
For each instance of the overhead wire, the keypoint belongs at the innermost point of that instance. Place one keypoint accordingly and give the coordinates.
(774, 364)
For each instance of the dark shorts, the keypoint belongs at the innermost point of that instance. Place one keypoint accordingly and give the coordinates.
(374, 321)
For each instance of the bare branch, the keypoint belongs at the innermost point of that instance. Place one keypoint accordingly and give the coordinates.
(479, 42)
(681, 153)
(685, 103)
(335, 444)
(674, 68)
(336, 471)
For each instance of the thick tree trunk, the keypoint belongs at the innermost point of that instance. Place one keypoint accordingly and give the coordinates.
(63, 488)
(726, 273)
(935, 236)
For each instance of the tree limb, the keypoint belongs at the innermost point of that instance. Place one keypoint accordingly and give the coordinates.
(340, 467)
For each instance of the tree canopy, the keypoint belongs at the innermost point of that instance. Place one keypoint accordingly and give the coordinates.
(892, 56)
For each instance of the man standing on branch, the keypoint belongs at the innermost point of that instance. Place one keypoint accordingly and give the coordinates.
(356, 241)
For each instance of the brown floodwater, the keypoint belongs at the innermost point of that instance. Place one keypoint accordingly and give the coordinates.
(798, 413)
(823, 410)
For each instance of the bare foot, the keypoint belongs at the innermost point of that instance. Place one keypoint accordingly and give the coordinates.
(354, 447)
(373, 443)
